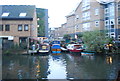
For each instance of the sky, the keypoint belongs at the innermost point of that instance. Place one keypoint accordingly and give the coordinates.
(57, 9)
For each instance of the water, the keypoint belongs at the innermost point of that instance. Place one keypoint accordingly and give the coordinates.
(60, 66)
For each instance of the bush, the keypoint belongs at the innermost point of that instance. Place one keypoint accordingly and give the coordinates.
(95, 40)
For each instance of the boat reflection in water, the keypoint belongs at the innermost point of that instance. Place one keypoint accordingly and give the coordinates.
(109, 59)
(57, 67)
(60, 66)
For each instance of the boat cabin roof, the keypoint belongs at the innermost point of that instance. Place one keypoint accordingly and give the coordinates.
(74, 45)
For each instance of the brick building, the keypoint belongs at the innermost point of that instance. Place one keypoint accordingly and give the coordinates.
(92, 15)
(18, 23)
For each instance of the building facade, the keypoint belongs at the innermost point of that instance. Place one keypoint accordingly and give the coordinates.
(93, 15)
(18, 23)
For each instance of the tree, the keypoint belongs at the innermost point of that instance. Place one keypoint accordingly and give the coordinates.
(41, 21)
(66, 36)
(79, 35)
(95, 40)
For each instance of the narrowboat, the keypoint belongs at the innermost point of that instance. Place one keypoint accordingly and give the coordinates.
(56, 47)
(75, 47)
(44, 48)
(63, 49)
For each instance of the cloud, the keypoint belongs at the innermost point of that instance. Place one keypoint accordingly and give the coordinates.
(57, 9)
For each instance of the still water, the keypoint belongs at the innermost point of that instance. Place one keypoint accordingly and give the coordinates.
(60, 66)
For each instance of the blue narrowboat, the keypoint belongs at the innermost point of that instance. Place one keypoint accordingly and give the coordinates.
(56, 47)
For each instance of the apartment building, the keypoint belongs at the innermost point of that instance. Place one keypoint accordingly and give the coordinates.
(70, 23)
(89, 16)
(93, 15)
(17, 23)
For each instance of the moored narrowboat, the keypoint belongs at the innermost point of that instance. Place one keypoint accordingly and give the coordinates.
(56, 47)
(75, 48)
(44, 48)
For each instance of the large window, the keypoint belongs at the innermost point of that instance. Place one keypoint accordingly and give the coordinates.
(26, 28)
(1, 27)
(96, 11)
(86, 15)
(85, 5)
(7, 27)
(112, 10)
(19, 27)
(86, 27)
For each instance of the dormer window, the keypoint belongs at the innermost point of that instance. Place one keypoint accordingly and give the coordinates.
(5, 14)
(22, 14)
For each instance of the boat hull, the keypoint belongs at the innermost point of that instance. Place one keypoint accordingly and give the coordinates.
(56, 50)
(87, 53)
(64, 49)
(56, 47)
(43, 51)
(75, 50)
(44, 48)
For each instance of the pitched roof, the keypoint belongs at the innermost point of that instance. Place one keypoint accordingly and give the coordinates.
(15, 10)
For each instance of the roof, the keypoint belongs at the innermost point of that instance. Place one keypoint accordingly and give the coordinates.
(15, 10)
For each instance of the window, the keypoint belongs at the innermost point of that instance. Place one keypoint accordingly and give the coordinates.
(96, 11)
(86, 26)
(7, 27)
(19, 27)
(119, 21)
(22, 14)
(107, 27)
(106, 18)
(112, 22)
(26, 28)
(1, 27)
(96, 23)
(76, 27)
(107, 34)
(106, 10)
(118, 36)
(77, 16)
(112, 26)
(112, 10)
(5, 14)
(86, 15)
(106, 22)
(86, 5)
(118, 5)
(112, 34)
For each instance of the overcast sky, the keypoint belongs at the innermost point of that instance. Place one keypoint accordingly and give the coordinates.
(57, 9)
